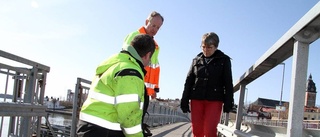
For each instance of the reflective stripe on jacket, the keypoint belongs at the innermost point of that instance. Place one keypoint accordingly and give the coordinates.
(116, 96)
(153, 69)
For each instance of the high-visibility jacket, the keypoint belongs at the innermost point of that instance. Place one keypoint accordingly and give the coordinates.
(116, 96)
(153, 69)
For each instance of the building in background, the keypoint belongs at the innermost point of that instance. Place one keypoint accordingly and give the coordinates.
(311, 111)
(70, 95)
(264, 108)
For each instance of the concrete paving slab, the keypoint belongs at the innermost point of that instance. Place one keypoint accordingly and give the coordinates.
(181, 129)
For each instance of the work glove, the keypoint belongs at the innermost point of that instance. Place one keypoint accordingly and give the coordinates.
(184, 105)
(146, 131)
(157, 90)
(154, 95)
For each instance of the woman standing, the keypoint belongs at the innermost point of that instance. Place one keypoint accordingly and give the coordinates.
(209, 87)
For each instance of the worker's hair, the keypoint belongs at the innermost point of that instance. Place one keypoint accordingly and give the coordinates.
(143, 44)
(154, 14)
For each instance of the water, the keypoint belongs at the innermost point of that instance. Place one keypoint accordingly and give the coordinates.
(58, 119)
(54, 119)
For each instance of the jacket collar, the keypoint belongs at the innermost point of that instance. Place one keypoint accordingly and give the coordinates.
(139, 61)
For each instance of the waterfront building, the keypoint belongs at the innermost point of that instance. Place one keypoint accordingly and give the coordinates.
(267, 108)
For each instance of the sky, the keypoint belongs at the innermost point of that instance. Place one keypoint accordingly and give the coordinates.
(73, 36)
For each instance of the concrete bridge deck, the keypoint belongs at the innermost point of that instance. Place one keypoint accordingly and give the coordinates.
(180, 129)
(183, 129)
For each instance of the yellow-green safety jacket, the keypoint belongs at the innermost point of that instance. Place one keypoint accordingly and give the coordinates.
(116, 96)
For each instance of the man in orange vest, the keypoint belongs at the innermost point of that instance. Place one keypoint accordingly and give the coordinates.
(152, 25)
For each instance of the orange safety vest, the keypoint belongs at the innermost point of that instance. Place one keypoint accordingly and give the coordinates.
(151, 79)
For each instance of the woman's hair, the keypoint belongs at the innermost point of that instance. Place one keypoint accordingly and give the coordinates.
(210, 38)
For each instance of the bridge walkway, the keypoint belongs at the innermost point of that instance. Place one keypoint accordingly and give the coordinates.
(180, 129)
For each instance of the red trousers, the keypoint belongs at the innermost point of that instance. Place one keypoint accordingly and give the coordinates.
(205, 117)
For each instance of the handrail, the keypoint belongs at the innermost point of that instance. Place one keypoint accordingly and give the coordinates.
(307, 124)
(158, 114)
(21, 102)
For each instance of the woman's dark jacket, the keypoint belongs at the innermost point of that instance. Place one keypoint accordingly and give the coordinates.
(209, 79)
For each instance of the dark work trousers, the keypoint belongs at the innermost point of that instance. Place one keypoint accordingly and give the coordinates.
(205, 116)
(86, 129)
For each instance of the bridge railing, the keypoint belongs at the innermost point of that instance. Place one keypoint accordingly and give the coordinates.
(22, 91)
(307, 124)
(160, 113)
(294, 43)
